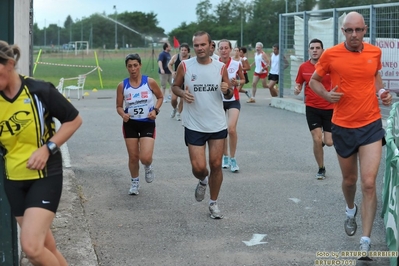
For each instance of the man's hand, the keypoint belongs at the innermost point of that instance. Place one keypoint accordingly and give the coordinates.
(224, 87)
(188, 97)
(333, 96)
(386, 98)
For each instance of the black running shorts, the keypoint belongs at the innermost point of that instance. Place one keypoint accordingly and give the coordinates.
(138, 129)
(43, 193)
(348, 140)
(199, 139)
(319, 118)
(231, 104)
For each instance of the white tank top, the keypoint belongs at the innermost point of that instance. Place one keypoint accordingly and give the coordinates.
(138, 101)
(232, 69)
(275, 64)
(260, 63)
(206, 113)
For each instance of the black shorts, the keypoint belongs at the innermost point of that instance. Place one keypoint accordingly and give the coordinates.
(134, 129)
(231, 104)
(246, 78)
(273, 77)
(348, 140)
(42, 193)
(319, 118)
(199, 138)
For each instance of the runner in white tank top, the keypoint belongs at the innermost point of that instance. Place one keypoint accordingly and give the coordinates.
(275, 70)
(261, 62)
(138, 99)
(231, 106)
(206, 84)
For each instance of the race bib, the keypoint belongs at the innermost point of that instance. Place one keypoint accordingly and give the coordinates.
(138, 111)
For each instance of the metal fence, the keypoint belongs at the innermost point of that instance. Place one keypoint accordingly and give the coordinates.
(297, 29)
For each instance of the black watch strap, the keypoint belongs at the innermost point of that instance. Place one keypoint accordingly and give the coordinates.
(52, 147)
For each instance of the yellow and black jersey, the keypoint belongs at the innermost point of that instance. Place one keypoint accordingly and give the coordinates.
(26, 124)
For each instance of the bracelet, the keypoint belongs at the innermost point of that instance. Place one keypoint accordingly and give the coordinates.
(380, 92)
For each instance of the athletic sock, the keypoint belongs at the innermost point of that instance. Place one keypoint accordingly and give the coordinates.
(205, 181)
(366, 238)
(212, 202)
(350, 212)
(137, 179)
(147, 166)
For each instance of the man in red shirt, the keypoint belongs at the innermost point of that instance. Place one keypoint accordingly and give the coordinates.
(318, 110)
(356, 128)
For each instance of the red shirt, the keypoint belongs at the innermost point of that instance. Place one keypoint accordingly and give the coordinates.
(312, 99)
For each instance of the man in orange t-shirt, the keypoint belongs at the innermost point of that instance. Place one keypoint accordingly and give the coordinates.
(318, 110)
(356, 124)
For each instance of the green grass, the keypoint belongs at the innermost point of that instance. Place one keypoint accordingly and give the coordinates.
(111, 62)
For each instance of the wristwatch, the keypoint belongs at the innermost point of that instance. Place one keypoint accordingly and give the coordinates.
(156, 110)
(52, 147)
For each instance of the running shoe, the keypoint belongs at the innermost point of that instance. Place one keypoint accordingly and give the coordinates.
(233, 165)
(364, 249)
(225, 162)
(169, 97)
(149, 174)
(251, 100)
(173, 113)
(350, 224)
(321, 174)
(215, 212)
(178, 117)
(200, 191)
(248, 94)
(134, 188)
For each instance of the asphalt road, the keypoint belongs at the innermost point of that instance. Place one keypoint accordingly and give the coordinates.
(275, 194)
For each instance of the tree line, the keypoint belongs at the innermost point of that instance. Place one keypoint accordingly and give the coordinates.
(256, 20)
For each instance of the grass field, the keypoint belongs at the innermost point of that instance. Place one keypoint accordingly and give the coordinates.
(111, 62)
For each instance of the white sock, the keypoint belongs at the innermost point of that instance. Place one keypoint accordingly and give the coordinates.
(212, 202)
(205, 181)
(366, 238)
(147, 166)
(136, 179)
(350, 212)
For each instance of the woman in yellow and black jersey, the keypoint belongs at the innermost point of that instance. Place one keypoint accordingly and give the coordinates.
(32, 159)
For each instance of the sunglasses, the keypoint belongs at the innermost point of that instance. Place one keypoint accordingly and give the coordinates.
(357, 30)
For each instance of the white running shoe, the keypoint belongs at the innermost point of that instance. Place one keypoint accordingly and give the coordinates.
(215, 212)
(134, 188)
(178, 117)
(233, 165)
(149, 174)
(173, 113)
(225, 162)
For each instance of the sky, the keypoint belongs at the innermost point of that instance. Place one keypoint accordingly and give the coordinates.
(170, 13)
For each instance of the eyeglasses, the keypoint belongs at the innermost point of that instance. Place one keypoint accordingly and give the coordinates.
(357, 30)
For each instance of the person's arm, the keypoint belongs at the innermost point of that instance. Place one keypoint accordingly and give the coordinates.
(265, 58)
(226, 84)
(286, 64)
(298, 88)
(160, 60)
(170, 65)
(178, 83)
(158, 94)
(245, 65)
(316, 85)
(385, 96)
(119, 103)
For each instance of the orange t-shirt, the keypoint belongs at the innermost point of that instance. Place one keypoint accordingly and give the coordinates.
(354, 73)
